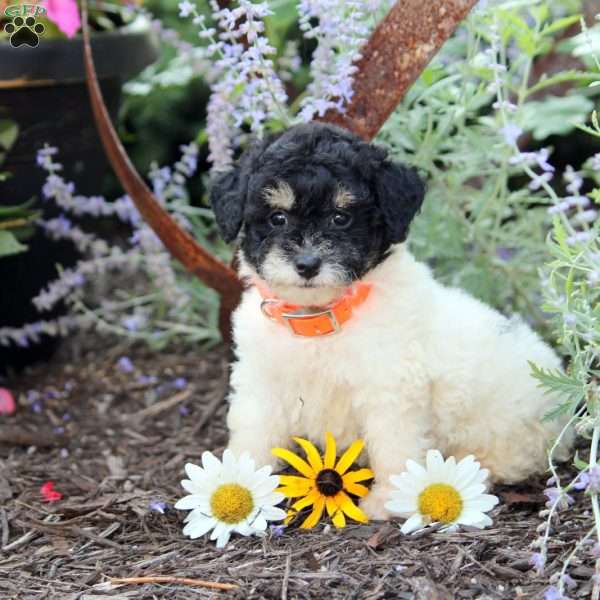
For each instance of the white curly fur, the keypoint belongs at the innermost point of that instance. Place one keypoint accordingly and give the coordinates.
(419, 366)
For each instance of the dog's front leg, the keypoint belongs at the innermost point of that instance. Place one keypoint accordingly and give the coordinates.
(396, 428)
(257, 423)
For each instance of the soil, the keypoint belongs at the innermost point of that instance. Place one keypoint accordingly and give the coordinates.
(115, 443)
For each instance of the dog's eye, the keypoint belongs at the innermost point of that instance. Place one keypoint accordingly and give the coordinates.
(278, 219)
(341, 219)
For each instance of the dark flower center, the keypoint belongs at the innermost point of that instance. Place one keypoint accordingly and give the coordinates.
(329, 482)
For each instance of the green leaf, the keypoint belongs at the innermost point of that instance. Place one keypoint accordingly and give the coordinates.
(563, 77)
(16, 211)
(579, 463)
(556, 115)
(560, 24)
(9, 131)
(558, 382)
(9, 244)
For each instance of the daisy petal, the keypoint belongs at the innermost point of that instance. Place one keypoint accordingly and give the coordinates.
(435, 465)
(401, 507)
(295, 461)
(198, 527)
(349, 456)
(259, 523)
(190, 502)
(272, 513)
(212, 465)
(194, 472)
(412, 524)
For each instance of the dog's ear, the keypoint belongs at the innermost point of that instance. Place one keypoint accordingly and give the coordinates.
(400, 193)
(229, 189)
(228, 197)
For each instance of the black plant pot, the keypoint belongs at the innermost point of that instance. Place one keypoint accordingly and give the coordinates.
(43, 89)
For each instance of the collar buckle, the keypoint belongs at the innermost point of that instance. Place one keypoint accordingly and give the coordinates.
(303, 323)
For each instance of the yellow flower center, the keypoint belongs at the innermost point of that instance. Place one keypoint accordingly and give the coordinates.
(441, 502)
(231, 503)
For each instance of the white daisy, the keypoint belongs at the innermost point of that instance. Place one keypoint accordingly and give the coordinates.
(444, 492)
(228, 497)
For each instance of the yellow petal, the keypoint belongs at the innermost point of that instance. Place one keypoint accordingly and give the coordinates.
(336, 514)
(357, 489)
(289, 517)
(293, 491)
(349, 456)
(309, 499)
(295, 461)
(329, 458)
(314, 458)
(293, 480)
(315, 515)
(356, 476)
(351, 510)
(294, 486)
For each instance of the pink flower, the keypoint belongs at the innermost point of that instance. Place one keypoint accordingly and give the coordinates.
(65, 14)
(7, 402)
(49, 494)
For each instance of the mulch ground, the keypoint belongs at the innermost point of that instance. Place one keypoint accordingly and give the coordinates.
(115, 443)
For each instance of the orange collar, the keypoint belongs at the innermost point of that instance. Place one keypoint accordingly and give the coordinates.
(314, 321)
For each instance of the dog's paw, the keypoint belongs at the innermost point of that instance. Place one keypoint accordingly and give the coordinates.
(373, 504)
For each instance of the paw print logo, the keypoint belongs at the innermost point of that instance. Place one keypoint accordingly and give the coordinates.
(24, 32)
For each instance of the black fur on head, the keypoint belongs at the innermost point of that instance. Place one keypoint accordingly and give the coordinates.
(315, 206)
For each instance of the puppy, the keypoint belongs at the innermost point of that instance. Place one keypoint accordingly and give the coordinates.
(343, 331)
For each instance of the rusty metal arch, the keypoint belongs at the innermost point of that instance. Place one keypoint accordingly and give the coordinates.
(395, 55)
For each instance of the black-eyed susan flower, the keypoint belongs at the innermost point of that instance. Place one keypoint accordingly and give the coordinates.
(444, 492)
(229, 497)
(325, 484)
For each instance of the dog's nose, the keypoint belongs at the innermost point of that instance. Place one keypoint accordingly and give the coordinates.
(308, 265)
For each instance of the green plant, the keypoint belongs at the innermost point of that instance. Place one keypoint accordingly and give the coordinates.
(16, 221)
(485, 219)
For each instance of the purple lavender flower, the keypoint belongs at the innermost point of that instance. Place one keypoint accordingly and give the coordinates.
(186, 8)
(505, 254)
(125, 364)
(158, 506)
(594, 480)
(180, 383)
(146, 379)
(581, 481)
(277, 530)
(569, 581)
(511, 132)
(557, 498)
(537, 561)
(537, 181)
(184, 411)
(542, 160)
(553, 593)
